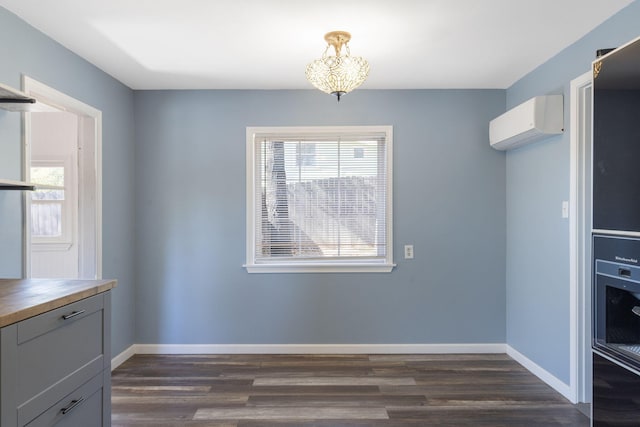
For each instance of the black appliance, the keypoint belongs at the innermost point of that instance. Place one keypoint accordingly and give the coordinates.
(616, 140)
(616, 298)
(616, 394)
(616, 331)
(616, 240)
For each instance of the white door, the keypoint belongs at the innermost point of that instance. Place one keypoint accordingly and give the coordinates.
(54, 204)
(63, 216)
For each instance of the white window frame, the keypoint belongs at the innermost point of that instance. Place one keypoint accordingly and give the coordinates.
(65, 240)
(315, 266)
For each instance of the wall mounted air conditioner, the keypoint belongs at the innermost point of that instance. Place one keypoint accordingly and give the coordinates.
(530, 121)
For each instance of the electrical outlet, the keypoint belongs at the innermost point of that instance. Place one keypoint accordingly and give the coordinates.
(565, 209)
(408, 251)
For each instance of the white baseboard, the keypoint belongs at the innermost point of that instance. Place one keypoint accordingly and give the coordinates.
(122, 357)
(304, 349)
(541, 373)
(317, 348)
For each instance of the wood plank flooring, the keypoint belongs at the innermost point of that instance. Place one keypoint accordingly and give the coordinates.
(334, 390)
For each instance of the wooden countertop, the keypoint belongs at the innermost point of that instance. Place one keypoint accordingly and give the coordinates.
(24, 298)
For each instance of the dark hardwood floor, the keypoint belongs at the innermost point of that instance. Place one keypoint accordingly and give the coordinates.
(334, 390)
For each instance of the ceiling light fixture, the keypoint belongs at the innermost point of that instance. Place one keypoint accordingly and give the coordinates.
(337, 74)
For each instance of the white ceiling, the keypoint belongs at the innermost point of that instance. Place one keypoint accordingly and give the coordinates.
(266, 44)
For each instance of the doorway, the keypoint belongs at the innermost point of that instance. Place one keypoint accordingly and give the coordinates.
(62, 156)
(580, 195)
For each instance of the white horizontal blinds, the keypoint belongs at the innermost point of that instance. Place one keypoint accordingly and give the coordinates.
(320, 198)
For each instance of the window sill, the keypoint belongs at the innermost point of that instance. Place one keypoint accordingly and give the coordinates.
(315, 268)
(48, 246)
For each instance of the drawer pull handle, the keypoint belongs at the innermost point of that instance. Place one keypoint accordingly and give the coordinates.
(72, 315)
(72, 406)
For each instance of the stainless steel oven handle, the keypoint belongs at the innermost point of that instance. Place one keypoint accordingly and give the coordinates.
(636, 310)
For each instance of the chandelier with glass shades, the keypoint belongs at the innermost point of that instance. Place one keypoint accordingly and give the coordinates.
(341, 73)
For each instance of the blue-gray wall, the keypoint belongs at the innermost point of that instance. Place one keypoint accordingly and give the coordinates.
(450, 194)
(174, 229)
(537, 273)
(452, 202)
(24, 50)
(449, 202)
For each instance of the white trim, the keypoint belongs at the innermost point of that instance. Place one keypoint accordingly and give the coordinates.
(541, 373)
(26, 175)
(59, 100)
(123, 357)
(317, 348)
(323, 266)
(51, 247)
(318, 268)
(577, 309)
(69, 223)
(63, 102)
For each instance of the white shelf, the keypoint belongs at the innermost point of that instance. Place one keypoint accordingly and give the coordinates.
(14, 100)
(8, 184)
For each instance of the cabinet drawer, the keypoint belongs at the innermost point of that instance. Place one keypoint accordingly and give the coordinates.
(80, 408)
(60, 317)
(58, 351)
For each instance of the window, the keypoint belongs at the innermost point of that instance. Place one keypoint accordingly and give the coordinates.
(319, 199)
(50, 210)
(305, 154)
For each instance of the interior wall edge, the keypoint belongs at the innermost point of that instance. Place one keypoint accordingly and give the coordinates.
(541, 373)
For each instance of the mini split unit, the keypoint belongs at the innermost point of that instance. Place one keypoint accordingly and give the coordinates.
(530, 121)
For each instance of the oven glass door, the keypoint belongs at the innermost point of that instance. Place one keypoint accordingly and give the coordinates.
(617, 312)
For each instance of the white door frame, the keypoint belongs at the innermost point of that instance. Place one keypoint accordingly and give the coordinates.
(90, 129)
(580, 199)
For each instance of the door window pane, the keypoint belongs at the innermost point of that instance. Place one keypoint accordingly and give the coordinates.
(47, 202)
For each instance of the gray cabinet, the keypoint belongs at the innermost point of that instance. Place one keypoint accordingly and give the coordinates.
(55, 367)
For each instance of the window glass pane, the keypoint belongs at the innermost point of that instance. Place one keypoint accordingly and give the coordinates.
(46, 219)
(305, 154)
(47, 195)
(332, 206)
(48, 175)
(46, 203)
